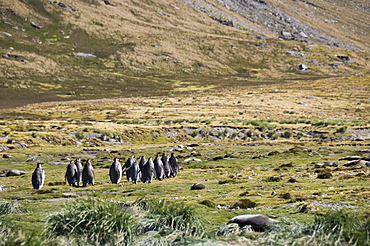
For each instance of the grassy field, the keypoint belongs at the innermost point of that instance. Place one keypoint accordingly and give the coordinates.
(256, 149)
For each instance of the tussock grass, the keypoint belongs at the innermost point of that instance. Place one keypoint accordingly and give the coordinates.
(153, 222)
(158, 222)
(346, 227)
(97, 221)
(167, 218)
(11, 207)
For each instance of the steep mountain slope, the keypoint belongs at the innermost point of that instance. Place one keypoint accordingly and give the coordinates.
(68, 50)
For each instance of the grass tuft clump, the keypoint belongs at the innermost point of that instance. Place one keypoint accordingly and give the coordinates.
(177, 220)
(157, 222)
(346, 226)
(11, 207)
(100, 222)
(208, 203)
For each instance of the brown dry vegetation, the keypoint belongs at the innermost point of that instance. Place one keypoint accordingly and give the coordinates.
(164, 47)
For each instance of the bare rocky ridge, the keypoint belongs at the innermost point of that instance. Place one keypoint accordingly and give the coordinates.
(267, 17)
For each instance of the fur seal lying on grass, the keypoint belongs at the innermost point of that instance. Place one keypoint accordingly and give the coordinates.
(258, 222)
(198, 186)
(11, 172)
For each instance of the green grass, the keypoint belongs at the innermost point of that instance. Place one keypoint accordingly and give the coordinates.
(159, 222)
(11, 207)
(97, 222)
(166, 218)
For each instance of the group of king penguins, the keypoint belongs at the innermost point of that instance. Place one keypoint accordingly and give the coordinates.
(159, 168)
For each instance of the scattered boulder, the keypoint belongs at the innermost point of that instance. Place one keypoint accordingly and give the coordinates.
(4, 148)
(85, 55)
(258, 222)
(344, 58)
(273, 179)
(226, 22)
(272, 153)
(64, 6)
(245, 193)
(216, 158)
(108, 3)
(7, 34)
(286, 196)
(197, 186)
(295, 53)
(350, 158)
(33, 24)
(302, 67)
(305, 208)
(229, 181)
(326, 164)
(324, 175)
(164, 14)
(284, 166)
(192, 159)
(10, 141)
(354, 163)
(334, 65)
(22, 145)
(303, 35)
(286, 35)
(292, 180)
(7, 156)
(365, 150)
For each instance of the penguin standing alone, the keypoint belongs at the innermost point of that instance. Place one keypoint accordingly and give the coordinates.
(38, 177)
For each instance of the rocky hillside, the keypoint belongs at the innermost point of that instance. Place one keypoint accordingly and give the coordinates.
(53, 50)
